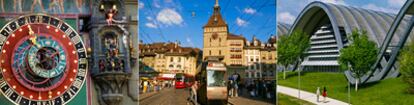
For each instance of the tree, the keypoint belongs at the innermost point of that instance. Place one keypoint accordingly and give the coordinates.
(407, 66)
(359, 56)
(291, 48)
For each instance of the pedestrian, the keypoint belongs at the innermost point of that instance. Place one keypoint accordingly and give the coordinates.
(250, 88)
(193, 92)
(317, 94)
(235, 85)
(230, 87)
(268, 90)
(145, 87)
(257, 87)
(264, 90)
(324, 94)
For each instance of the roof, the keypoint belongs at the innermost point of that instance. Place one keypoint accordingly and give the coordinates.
(166, 48)
(233, 36)
(216, 19)
(345, 19)
(283, 29)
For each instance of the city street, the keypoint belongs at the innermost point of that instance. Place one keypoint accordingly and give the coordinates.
(167, 96)
(171, 96)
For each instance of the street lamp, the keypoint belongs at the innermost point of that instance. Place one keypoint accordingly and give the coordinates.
(349, 87)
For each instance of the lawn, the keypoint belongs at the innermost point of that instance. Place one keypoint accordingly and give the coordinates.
(386, 92)
(288, 100)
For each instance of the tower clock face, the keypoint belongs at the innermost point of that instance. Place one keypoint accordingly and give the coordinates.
(42, 59)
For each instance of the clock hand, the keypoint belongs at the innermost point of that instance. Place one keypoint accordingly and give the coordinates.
(32, 35)
(50, 57)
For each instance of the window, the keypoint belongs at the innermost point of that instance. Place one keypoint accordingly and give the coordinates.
(179, 59)
(171, 60)
(263, 58)
(179, 66)
(257, 59)
(209, 52)
(219, 52)
(251, 60)
(235, 56)
(171, 66)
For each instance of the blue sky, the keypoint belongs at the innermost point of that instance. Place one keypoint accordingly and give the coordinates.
(288, 10)
(182, 20)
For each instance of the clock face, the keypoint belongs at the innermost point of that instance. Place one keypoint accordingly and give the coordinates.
(215, 35)
(43, 61)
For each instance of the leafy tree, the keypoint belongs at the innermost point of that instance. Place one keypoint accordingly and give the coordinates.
(359, 56)
(291, 48)
(407, 66)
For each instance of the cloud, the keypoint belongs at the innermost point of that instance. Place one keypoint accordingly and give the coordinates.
(149, 18)
(150, 25)
(396, 3)
(241, 22)
(286, 17)
(377, 8)
(168, 1)
(140, 5)
(340, 2)
(249, 10)
(189, 41)
(169, 17)
(156, 4)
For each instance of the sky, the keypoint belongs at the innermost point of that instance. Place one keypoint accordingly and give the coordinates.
(288, 10)
(182, 20)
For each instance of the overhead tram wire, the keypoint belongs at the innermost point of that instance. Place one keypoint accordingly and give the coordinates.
(146, 34)
(251, 4)
(263, 26)
(142, 36)
(156, 23)
(226, 6)
(253, 15)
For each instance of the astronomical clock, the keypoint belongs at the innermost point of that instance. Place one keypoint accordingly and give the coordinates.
(42, 59)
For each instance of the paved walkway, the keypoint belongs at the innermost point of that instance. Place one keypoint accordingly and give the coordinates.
(307, 96)
(245, 99)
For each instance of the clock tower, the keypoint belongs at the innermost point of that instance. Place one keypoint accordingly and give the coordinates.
(215, 35)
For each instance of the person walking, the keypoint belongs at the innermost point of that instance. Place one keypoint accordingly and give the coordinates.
(145, 87)
(230, 86)
(324, 94)
(193, 92)
(235, 85)
(317, 94)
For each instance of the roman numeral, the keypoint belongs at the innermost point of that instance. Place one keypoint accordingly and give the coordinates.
(77, 83)
(8, 92)
(76, 39)
(19, 98)
(83, 61)
(81, 72)
(67, 32)
(81, 50)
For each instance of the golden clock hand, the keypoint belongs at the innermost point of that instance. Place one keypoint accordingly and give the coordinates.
(32, 35)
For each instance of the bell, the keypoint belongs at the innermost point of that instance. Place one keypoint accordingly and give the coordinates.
(102, 7)
(114, 7)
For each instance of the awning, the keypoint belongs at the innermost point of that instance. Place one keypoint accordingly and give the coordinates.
(166, 76)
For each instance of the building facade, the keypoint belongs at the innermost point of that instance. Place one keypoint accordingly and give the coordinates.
(239, 55)
(169, 58)
(103, 33)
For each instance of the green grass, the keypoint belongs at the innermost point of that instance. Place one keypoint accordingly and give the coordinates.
(288, 100)
(386, 92)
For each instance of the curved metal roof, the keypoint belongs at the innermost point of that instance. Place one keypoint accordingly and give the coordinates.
(387, 30)
(282, 29)
(345, 18)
